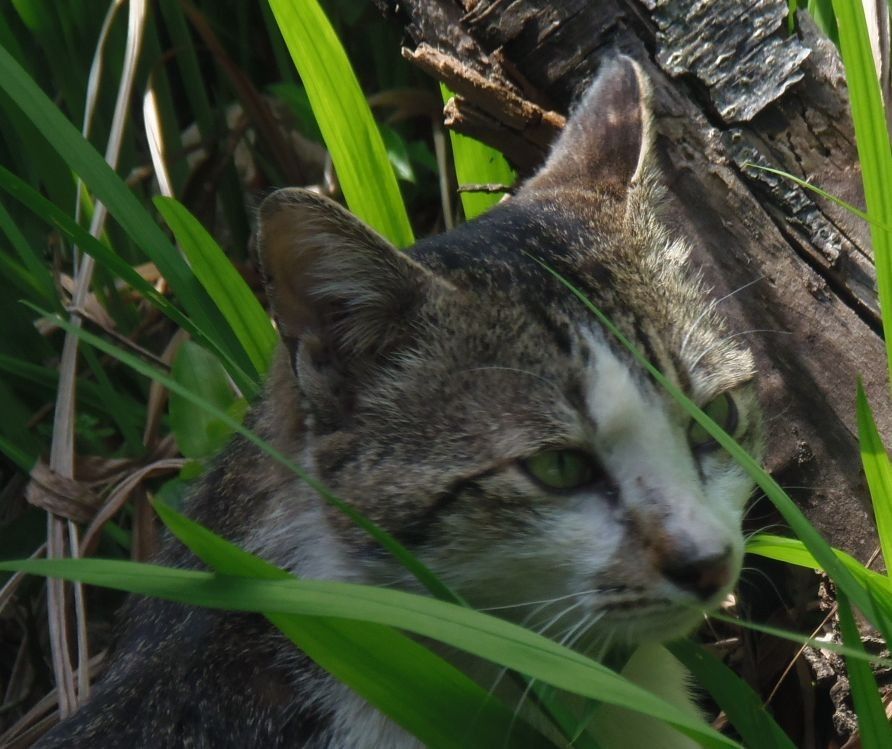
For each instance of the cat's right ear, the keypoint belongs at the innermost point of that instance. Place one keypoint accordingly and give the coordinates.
(605, 146)
(342, 295)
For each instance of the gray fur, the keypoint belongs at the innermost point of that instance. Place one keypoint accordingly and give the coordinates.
(412, 385)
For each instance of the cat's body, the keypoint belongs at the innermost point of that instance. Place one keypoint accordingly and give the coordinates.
(468, 403)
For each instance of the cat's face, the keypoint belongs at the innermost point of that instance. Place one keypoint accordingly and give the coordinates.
(468, 402)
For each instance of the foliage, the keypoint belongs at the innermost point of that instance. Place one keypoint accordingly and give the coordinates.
(149, 293)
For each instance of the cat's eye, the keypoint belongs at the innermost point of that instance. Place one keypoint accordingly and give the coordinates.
(723, 412)
(562, 469)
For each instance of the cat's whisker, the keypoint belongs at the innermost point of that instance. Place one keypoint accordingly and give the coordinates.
(605, 645)
(778, 416)
(544, 600)
(503, 671)
(543, 630)
(765, 575)
(762, 529)
(517, 370)
(577, 632)
(517, 708)
(710, 308)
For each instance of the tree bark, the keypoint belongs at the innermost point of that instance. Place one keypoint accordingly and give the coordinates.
(731, 87)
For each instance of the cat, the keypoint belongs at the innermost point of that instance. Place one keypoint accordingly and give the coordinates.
(463, 399)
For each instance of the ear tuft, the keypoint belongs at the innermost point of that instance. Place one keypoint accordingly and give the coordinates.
(335, 286)
(606, 142)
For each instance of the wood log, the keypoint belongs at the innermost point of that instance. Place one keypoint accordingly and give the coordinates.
(732, 88)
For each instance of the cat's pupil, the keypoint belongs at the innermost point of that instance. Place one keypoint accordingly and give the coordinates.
(723, 412)
(561, 469)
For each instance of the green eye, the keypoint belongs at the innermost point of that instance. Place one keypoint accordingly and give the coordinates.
(723, 412)
(562, 469)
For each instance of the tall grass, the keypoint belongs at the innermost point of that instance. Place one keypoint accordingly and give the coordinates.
(147, 287)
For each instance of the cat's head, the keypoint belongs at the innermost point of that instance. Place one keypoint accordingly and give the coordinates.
(464, 399)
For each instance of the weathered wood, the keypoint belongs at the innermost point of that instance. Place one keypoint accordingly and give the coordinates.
(729, 88)
(732, 48)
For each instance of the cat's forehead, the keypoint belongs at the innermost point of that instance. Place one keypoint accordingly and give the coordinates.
(509, 248)
(505, 265)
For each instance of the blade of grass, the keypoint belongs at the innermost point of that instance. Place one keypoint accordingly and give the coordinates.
(130, 430)
(874, 153)
(344, 117)
(801, 639)
(83, 159)
(39, 276)
(878, 470)
(228, 189)
(106, 257)
(738, 700)
(224, 284)
(12, 449)
(876, 588)
(818, 191)
(793, 551)
(22, 447)
(376, 661)
(873, 725)
(822, 13)
(88, 392)
(471, 631)
(15, 274)
(477, 163)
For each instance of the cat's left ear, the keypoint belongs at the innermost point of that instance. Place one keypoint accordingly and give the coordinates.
(339, 291)
(606, 144)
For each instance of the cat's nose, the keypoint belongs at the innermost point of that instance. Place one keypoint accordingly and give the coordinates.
(702, 573)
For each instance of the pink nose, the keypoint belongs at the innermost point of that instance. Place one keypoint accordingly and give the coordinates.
(703, 574)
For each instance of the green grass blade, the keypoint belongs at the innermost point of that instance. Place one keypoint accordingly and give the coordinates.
(40, 279)
(876, 588)
(197, 433)
(800, 639)
(16, 274)
(18, 442)
(793, 551)
(853, 209)
(878, 470)
(188, 65)
(220, 555)
(196, 90)
(419, 690)
(108, 187)
(741, 704)
(873, 726)
(471, 631)
(13, 450)
(344, 117)
(872, 139)
(822, 13)
(88, 393)
(107, 258)
(477, 163)
(130, 429)
(224, 284)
